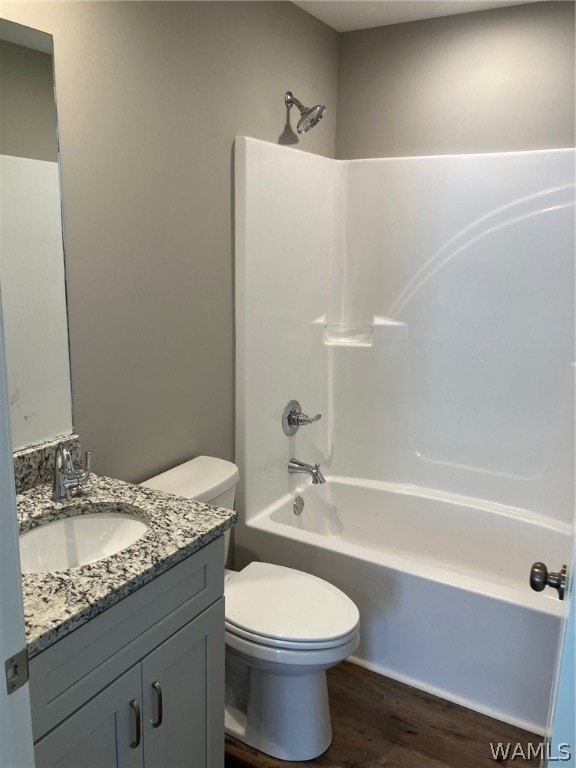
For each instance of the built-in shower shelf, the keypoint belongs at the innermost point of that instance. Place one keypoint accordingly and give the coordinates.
(348, 334)
(355, 334)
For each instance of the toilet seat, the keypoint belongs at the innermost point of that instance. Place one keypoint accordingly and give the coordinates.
(297, 660)
(273, 642)
(279, 607)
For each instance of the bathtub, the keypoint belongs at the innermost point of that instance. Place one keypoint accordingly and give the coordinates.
(441, 582)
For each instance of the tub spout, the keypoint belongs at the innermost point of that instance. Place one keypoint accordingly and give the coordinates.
(295, 466)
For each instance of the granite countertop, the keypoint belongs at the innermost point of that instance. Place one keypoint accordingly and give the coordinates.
(59, 602)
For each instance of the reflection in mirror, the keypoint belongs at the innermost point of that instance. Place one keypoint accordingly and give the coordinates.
(32, 278)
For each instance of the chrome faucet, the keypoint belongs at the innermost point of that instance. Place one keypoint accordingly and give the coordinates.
(295, 466)
(65, 476)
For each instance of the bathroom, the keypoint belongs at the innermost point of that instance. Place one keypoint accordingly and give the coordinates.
(150, 98)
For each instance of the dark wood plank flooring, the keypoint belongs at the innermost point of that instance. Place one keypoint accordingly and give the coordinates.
(379, 722)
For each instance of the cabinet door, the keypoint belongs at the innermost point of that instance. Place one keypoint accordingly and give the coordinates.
(99, 734)
(183, 696)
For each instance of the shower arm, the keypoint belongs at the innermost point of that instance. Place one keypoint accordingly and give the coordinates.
(290, 99)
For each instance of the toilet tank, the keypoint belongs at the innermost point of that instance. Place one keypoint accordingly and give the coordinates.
(204, 478)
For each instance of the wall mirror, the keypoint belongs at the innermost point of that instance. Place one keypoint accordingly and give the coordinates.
(32, 274)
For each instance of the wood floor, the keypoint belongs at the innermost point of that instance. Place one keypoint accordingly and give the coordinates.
(379, 722)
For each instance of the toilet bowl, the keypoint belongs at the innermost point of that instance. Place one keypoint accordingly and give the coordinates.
(284, 628)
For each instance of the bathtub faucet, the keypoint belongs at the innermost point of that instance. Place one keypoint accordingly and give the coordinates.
(295, 466)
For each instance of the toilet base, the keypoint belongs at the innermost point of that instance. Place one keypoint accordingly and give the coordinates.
(286, 716)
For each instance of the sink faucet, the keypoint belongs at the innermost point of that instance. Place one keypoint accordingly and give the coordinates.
(65, 476)
(295, 466)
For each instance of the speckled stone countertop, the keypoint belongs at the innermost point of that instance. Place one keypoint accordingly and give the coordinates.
(59, 602)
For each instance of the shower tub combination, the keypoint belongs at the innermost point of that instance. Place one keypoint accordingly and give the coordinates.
(425, 307)
(441, 583)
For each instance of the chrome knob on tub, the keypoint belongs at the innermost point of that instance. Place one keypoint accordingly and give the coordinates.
(540, 578)
(293, 418)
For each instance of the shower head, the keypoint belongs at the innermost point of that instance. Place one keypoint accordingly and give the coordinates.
(309, 116)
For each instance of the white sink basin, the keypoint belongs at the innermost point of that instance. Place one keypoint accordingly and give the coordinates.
(80, 539)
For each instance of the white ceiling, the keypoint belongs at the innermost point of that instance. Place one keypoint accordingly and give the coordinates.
(347, 15)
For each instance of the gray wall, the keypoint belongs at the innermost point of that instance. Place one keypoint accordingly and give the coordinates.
(27, 108)
(490, 81)
(150, 98)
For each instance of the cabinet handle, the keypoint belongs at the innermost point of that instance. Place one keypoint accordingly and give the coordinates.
(136, 709)
(158, 690)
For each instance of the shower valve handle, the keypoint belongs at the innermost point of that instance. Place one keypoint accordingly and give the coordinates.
(302, 418)
(293, 418)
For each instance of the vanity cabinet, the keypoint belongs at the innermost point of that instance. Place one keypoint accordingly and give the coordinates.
(141, 685)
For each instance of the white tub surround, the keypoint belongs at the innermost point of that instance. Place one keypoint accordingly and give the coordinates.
(425, 307)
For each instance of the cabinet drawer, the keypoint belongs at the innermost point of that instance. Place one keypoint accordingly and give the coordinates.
(74, 669)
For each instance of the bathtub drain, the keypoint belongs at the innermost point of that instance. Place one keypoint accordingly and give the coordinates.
(298, 505)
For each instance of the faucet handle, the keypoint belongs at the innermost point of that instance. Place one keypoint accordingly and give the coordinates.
(302, 418)
(293, 418)
(87, 466)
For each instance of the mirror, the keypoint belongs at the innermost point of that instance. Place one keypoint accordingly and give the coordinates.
(32, 277)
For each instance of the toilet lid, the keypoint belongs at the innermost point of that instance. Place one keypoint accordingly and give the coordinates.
(272, 601)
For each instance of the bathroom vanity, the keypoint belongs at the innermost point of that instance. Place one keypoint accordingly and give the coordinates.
(143, 683)
(127, 653)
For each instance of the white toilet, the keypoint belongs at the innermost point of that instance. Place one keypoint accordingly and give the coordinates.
(284, 629)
